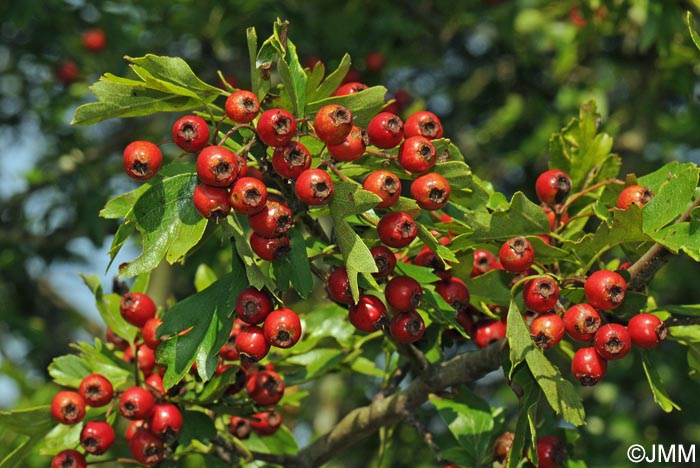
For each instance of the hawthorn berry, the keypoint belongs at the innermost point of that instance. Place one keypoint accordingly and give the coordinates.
(454, 291)
(248, 195)
(374, 62)
(94, 40)
(211, 202)
(134, 426)
(242, 106)
(136, 403)
(407, 327)
(273, 220)
(276, 127)
(397, 229)
(149, 330)
(403, 293)
(352, 147)
(253, 305)
(350, 88)
(612, 341)
(634, 195)
(68, 407)
(367, 313)
(332, 123)
(502, 445)
(417, 154)
(146, 447)
(646, 330)
(154, 384)
(96, 390)
(251, 344)
(118, 342)
(588, 366)
(290, 160)
(69, 459)
(166, 420)
(581, 321)
(605, 289)
(270, 248)
(385, 260)
(385, 184)
(516, 255)
(547, 330)
(67, 72)
(553, 186)
(486, 331)
(142, 159)
(282, 328)
(484, 261)
(540, 294)
(314, 187)
(191, 133)
(136, 308)
(423, 123)
(429, 259)
(265, 423)
(265, 387)
(338, 286)
(146, 359)
(239, 427)
(96, 437)
(555, 220)
(431, 191)
(217, 166)
(385, 130)
(551, 452)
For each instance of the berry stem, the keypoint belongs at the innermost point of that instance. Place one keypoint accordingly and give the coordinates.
(586, 191)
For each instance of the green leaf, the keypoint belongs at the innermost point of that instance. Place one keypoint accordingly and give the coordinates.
(446, 254)
(295, 266)
(16, 458)
(525, 424)
(108, 307)
(256, 277)
(282, 442)
(68, 370)
(204, 277)
(493, 287)
(293, 78)
(690, 20)
(60, 437)
(363, 105)
(350, 198)
(312, 364)
(331, 83)
(692, 310)
(259, 84)
(28, 421)
(673, 186)
(175, 71)
(196, 426)
(656, 385)
(421, 274)
(685, 333)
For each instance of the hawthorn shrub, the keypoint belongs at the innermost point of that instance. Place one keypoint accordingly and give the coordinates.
(359, 243)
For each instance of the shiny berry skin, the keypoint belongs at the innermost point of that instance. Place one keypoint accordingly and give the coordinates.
(276, 127)
(423, 123)
(502, 445)
(291, 160)
(338, 286)
(136, 403)
(581, 321)
(146, 359)
(146, 447)
(137, 308)
(332, 123)
(253, 306)
(242, 106)
(397, 229)
(149, 332)
(646, 330)
(265, 423)
(134, 426)
(605, 289)
(431, 191)
(217, 166)
(429, 259)
(588, 366)
(403, 293)
(417, 154)
(350, 88)
(248, 195)
(352, 147)
(612, 341)
(454, 291)
(553, 186)
(385, 260)
(69, 459)
(265, 387)
(634, 195)
(154, 384)
(551, 452)
(540, 294)
(282, 328)
(142, 159)
(270, 248)
(547, 330)
(273, 220)
(486, 331)
(191, 133)
(385, 130)
(251, 344)
(96, 390)
(68, 407)
(407, 327)
(94, 40)
(211, 202)
(239, 427)
(96, 437)
(386, 185)
(314, 187)
(166, 420)
(366, 314)
(516, 255)
(484, 261)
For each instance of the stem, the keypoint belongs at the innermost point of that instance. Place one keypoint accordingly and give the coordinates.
(588, 190)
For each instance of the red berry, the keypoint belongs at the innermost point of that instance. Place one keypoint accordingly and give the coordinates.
(605, 289)
(540, 294)
(265, 387)
(94, 40)
(366, 314)
(273, 220)
(581, 321)
(191, 133)
(282, 328)
(276, 127)
(646, 330)
(68, 407)
(248, 195)
(407, 327)
(118, 342)
(352, 147)
(133, 427)
(137, 308)
(554, 223)
(516, 255)
(350, 88)
(417, 154)
(253, 306)
(634, 195)
(166, 420)
(431, 191)
(403, 293)
(547, 330)
(385, 130)
(551, 452)
(251, 344)
(338, 286)
(374, 62)
(142, 159)
(397, 229)
(553, 186)
(386, 185)
(314, 187)
(217, 166)
(332, 123)
(385, 261)
(588, 366)
(265, 423)
(242, 106)
(423, 123)
(136, 403)
(291, 160)
(239, 427)
(69, 459)
(454, 291)
(429, 259)
(146, 447)
(149, 330)
(146, 358)
(612, 341)
(154, 384)
(486, 331)
(67, 72)
(96, 437)
(96, 390)
(484, 261)
(211, 202)
(269, 248)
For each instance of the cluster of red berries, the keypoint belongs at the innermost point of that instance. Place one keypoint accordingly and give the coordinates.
(93, 40)
(551, 451)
